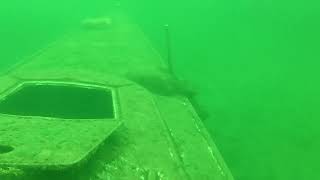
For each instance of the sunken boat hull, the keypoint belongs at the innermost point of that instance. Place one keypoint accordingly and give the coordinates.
(99, 103)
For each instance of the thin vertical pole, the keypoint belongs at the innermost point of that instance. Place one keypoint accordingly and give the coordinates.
(169, 50)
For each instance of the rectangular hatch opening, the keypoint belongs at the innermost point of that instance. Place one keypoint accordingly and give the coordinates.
(59, 101)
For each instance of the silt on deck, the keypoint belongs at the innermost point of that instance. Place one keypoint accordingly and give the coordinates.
(99, 103)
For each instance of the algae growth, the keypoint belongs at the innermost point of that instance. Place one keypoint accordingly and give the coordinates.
(253, 65)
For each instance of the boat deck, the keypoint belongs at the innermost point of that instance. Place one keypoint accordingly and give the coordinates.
(155, 134)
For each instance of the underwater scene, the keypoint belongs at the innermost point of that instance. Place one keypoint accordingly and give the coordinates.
(159, 90)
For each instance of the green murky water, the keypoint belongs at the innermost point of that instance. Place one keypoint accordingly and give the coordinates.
(255, 65)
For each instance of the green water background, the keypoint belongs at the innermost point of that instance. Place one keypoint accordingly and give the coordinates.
(254, 63)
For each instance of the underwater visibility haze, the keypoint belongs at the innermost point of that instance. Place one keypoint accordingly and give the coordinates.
(250, 68)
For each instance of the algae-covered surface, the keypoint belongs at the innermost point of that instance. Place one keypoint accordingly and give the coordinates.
(43, 140)
(151, 132)
(250, 69)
